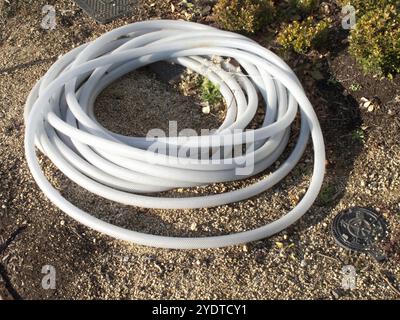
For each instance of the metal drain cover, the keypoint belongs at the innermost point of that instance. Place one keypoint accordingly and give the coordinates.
(359, 229)
(104, 11)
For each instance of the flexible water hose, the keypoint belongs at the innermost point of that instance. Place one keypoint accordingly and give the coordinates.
(60, 121)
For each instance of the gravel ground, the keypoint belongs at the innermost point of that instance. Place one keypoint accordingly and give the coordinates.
(302, 262)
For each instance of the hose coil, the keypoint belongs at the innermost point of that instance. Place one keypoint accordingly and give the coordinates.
(60, 121)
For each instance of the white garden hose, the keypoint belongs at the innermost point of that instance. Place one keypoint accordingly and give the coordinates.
(60, 121)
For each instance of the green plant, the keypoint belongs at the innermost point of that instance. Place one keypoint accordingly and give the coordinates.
(187, 4)
(327, 193)
(375, 41)
(364, 6)
(302, 36)
(209, 92)
(243, 15)
(304, 6)
(358, 135)
(355, 87)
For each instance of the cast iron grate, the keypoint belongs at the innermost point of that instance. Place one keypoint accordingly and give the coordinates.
(104, 11)
(359, 229)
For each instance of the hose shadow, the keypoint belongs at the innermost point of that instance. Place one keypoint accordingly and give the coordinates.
(26, 65)
(341, 123)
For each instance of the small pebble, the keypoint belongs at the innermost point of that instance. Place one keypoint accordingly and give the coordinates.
(367, 104)
(193, 226)
(206, 110)
(279, 244)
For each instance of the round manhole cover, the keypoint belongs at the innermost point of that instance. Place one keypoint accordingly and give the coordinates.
(358, 229)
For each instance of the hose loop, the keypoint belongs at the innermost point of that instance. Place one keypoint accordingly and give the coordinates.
(60, 121)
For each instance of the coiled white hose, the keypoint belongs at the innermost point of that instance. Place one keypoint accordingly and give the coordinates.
(60, 122)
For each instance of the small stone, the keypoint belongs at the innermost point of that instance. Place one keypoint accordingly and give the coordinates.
(245, 248)
(371, 108)
(367, 104)
(206, 110)
(193, 226)
(303, 263)
(279, 244)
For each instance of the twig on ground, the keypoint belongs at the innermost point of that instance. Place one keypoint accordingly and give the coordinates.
(329, 257)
